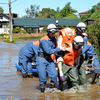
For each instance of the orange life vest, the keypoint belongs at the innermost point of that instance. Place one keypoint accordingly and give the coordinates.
(69, 58)
(64, 35)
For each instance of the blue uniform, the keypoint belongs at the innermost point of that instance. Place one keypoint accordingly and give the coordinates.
(88, 49)
(25, 55)
(45, 65)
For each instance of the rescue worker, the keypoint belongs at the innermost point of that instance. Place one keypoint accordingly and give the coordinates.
(44, 62)
(26, 54)
(80, 28)
(65, 37)
(88, 49)
(69, 66)
(89, 52)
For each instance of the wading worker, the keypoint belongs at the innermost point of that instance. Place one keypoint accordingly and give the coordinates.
(26, 54)
(69, 67)
(88, 48)
(89, 52)
(45, 64)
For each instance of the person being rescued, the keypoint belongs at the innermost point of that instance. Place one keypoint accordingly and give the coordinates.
(69, 66)
(89, 52)
(26, 54)
(67, 35)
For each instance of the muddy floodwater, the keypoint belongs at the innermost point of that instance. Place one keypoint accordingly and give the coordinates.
(14, 87)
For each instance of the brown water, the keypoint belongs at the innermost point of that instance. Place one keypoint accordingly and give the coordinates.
(14, 87)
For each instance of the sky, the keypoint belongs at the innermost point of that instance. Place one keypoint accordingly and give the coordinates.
(19, 6)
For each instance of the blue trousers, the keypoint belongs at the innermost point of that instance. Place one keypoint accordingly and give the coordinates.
(45, 68)
(26, 63)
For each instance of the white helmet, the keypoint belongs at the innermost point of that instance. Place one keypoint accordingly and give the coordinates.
(51, 28)
(81, 24)
(78, 42)
(84, 35)
(81, 27)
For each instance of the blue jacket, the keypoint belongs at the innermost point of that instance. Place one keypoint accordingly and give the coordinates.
(88, 48)
(48, 46)
(29, 50)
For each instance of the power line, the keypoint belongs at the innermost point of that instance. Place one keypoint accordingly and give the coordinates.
(3, 3)
(18, 3)
(8, 3)
(13, 1)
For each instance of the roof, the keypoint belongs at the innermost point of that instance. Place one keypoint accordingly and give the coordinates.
(31, 26)
(4, 15)
(45, 21)
(89, 20)
(84, 12)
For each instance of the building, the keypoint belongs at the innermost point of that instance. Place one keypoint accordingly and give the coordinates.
(13, 15)
(83, 13)
(36, 24)
(4, 22)
(90, 22)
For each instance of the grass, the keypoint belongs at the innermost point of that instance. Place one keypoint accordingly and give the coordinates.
(20, 37)
(26, 38)
(8, 41)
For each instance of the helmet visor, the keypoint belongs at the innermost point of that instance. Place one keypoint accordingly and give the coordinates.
(81, 29)
(78, 45)
(52, 30)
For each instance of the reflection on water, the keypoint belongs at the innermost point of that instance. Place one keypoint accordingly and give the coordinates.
(14, 87)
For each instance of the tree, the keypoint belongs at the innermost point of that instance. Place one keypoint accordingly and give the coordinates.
(93, 13)
(1, 10)
(67, 10)
(47, 13)
(58, 9)
(32, 12)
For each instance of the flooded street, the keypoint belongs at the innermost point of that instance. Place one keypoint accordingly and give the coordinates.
(14, 87)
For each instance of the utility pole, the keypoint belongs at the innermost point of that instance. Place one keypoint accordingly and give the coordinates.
(10, 20)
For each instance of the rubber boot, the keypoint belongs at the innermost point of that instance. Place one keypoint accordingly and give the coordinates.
(30, 75)
(24, 75)
(52, 85)
(42, 89)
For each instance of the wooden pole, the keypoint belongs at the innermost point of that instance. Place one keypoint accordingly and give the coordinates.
(10, 20)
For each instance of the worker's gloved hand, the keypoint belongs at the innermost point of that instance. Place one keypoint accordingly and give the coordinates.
(63, 48)
(68, 49)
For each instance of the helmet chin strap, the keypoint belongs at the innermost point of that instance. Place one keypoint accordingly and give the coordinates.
(81, 30)
(75, 48)
(50, 36)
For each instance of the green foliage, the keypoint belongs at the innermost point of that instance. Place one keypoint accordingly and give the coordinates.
(67, 12)
(1, 10)
(22, 31)
(47, 13)
(94, 30)
(18, 30)
(94, 37)
(71, 16)
(94, 13)
(29, 30)
(44, 30)
(32, 12)
(8, 41)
